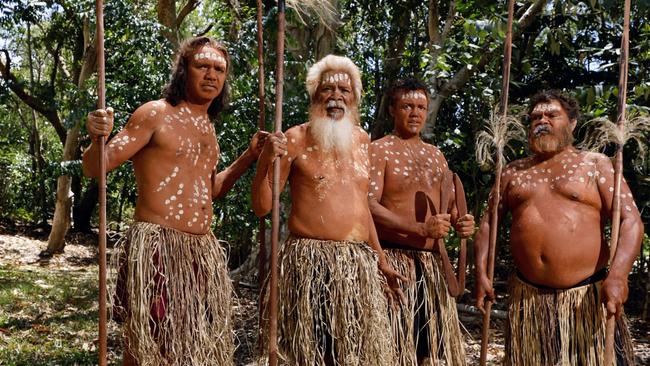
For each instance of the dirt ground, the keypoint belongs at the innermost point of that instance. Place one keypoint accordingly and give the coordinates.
(21, 253)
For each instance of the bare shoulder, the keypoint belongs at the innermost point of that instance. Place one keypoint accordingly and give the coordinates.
(362, 135)
(382, 141)
(297, 134)
(433, 149)
(149, 114)
(519, 164)
(595, 157)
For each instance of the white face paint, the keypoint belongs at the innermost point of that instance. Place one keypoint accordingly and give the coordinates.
(210, 56)
(414, 94)
(543, 108)
(334, 77)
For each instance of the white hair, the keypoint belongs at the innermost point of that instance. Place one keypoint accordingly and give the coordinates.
(334, 63)
(333, 135)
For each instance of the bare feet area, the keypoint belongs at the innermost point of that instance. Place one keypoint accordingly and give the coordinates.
(48, 310)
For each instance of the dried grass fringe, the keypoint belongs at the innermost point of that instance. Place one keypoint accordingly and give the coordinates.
(345, 275)
(444, 329)
(197, 328)
(560, 327)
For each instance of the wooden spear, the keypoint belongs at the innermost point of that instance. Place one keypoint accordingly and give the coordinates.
(101, 104)
(497, 184)
(261, 235)
(610, 328)
(275, 220)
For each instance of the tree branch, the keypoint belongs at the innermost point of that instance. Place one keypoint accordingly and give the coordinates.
(449, 21)
(437, 38)
(463, 75)
(187, 9)
(17, 87)
(433, 25)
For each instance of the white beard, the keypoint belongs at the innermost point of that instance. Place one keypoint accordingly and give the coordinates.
(336, 135)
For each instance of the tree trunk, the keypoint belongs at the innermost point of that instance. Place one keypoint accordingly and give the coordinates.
(35, 141)
(61, 221)
(83, 210)
(325, 38)
(123, 197)
(397, 40)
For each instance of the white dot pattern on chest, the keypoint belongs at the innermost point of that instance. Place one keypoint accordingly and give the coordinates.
(420, 163)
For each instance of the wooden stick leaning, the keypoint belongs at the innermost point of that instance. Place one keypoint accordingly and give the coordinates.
(101, 104)
(497, 184)
(261, 235)
(275, 218)
(445, 190)
(610, 327)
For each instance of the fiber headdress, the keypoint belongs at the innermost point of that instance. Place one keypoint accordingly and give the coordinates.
(334, 63)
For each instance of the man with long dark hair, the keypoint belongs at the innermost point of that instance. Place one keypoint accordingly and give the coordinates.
(173, 292)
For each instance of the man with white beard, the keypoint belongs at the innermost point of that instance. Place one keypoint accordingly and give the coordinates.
(331, 300)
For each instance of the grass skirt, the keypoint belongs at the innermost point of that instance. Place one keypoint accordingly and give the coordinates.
(331, 305)
(560, 327)
(427, 325)
(172, 291)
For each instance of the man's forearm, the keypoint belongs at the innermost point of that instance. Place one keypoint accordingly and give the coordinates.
(629, 245)
(481, 246)
(226, 179)
(90, 161)
(262, 191)
(389, 220)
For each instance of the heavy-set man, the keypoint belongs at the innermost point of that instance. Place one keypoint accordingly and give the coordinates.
(560, 199)
(406, 179)
(332, 308)
(173, 292)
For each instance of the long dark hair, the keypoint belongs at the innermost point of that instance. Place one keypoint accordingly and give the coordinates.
(174, 92)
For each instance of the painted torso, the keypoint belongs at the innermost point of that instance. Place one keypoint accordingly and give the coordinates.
(174, 168)
(558, 215)
(328, 192)
(406, 179)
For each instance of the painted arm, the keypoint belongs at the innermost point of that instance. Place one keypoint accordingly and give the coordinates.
(615, 287)
(484, 286)
(392, 276)
(136, 134)
(262, 195)
(226, 179)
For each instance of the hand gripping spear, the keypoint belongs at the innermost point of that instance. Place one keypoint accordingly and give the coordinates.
(101, 104)
(322, 10)
(496, 190)
(618, 173)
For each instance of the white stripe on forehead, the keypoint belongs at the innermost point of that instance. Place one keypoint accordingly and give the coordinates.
(414, 94)
(334, 77)
(210, 55)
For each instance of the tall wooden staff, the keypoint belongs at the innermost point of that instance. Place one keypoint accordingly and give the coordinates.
(275, 223)
(101, 104)
(261, 236)
(497, 184)
(618, 173)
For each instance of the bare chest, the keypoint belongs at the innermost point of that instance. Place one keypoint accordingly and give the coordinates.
(413, 169)
(190, 142)
(327, 172)
(567, 180)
